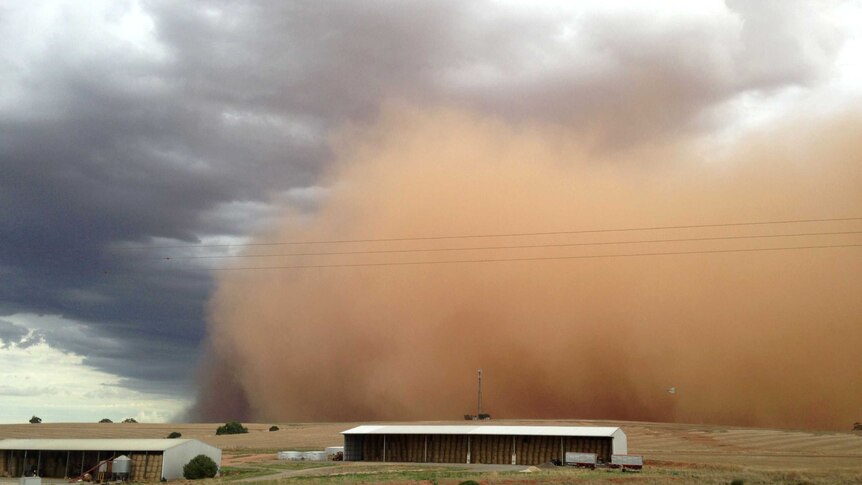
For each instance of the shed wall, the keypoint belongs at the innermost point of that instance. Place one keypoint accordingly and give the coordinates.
(621, 443)
(175, 458)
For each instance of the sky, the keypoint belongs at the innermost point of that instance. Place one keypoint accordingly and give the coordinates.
(134, 131)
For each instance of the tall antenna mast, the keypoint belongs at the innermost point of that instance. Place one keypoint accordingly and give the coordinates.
(479, 414)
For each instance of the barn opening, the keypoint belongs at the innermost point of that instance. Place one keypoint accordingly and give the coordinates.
(516, 445)
(141, 460)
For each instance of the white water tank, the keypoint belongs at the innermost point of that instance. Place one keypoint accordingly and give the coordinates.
(290, 455)
(314, 456)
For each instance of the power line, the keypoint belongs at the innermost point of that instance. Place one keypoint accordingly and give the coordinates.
(514, 234)
(538, 258)
(527, 246)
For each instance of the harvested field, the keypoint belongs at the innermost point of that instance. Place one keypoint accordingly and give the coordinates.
(687, 452)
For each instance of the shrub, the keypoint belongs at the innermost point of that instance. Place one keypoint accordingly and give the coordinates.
(200, 466)
(232, 427)
(174, 434)
(273, 428)
(737, 481)
(35, 420)
(105, 420)
(130, 420)
(469, 482)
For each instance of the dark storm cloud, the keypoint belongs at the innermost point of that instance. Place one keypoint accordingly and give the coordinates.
(226, 108)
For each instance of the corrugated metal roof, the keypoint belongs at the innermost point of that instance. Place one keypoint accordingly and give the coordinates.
(601, 431)
(91, 444)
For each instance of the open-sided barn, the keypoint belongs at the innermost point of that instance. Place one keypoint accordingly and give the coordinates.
(520, 445)
(150, 460)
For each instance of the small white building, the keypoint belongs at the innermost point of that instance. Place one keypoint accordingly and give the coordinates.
(150, 460)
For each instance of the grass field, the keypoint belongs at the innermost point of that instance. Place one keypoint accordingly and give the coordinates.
(674, 453)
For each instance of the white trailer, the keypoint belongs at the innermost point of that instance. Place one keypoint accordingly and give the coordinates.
(585, 460)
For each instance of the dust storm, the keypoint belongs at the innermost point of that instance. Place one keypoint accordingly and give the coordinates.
(570, 273)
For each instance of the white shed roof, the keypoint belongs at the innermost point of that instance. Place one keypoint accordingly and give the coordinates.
(600, 431)
(91, 444)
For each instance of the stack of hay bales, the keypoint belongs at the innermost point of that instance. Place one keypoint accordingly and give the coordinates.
(145, 468)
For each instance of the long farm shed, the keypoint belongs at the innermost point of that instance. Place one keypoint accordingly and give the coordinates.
(517, 445)
(150, 460)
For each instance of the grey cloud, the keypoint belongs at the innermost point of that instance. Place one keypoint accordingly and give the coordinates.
(11, 334)
(18, 336)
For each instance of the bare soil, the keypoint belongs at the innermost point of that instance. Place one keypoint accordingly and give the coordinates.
(682, 451)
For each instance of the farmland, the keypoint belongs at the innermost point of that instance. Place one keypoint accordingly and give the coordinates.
(674, 453)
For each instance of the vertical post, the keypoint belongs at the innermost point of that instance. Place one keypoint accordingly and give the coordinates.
(562, 453)
(479, 407)
(24, 464)
(426, 449)
(146, 465)
(384, 448)
(514, 454)
(82, 462)
(468, 449)
(39, 464)
(66, 470)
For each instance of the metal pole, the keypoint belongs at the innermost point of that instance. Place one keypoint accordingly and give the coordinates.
(66, 470)
(562, 453)
(39, 464)
(82, 462)
(479, 413)
(426, 449)
(384, 448)
(514, 453)
(468, 449)
(24, 464)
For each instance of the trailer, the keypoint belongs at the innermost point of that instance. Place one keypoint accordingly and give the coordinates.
(582, 460)
(627, 462)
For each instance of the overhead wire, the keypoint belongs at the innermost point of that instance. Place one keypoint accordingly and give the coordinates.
(536, 258)
(525, 246)
(495, 235)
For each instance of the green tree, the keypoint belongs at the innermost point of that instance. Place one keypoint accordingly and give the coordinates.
(273, 428)
(130, 420)
(174, 434)
(200, 466)
(232, 427)
(105, 420)
(35, 420)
